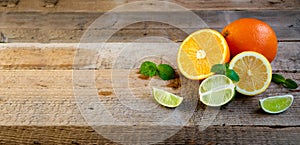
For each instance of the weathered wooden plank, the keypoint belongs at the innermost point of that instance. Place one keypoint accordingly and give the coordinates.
(27, 35)
(9, 3)
(187, 135)
(46, 97)
(69, 27)
(106, 5)
(15, 56)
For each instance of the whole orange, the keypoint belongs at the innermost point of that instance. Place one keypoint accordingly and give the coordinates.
(250, 34)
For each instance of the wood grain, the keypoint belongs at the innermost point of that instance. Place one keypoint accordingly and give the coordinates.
(58, 56)
(106, 5)
(187, 135)
(46, 97)
(42, 71)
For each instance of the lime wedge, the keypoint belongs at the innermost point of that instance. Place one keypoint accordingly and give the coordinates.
(276, 104)
(166, 98)
(216, 90)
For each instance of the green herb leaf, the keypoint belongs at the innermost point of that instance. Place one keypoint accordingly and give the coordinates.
(148, 69)
(232, 75)
(224, 70)
(218, 69)
(290, 84)
(227, 65)
(165, 72)
(277, 78)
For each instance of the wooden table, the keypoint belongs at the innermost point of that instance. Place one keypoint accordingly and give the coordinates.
(46, 91)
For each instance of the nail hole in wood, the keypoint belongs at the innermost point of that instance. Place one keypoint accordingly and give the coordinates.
(50, 3)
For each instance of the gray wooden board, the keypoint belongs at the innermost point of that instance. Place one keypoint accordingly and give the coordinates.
(70, 27)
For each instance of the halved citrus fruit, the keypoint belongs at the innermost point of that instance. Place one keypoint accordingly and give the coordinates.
(216, 90)
(254, 70)
(200, 51)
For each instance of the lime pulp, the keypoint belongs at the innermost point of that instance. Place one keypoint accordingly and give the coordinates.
(216, 90)
(166, 98)
(276, 104)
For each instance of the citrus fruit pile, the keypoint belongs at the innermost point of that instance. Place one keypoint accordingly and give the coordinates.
(241, 54)
(249, 45)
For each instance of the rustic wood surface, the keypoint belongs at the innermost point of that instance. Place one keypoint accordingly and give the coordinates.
(37, 89)
(106, 5)
(68, 27)
(188, 135)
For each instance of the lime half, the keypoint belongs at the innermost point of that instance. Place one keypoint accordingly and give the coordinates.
(166, 98)
(276, 104)
(216, 90)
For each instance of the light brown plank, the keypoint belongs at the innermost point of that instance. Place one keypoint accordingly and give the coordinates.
(46, 97)
(187, 135)
(16, 56)
(69, 27)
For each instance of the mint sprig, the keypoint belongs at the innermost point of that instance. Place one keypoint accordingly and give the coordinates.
(224, 70)
(287, 83)
(218, 69)
(230, 73)
(164, 71)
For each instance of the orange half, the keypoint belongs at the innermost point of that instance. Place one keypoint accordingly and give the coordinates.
(200, 51)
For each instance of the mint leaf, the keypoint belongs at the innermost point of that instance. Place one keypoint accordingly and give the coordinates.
(232, 75)
(148, 69)
(227, 65)
(218, 69)
(277, 78)
(290, 84)
(224, 70)
(165, 72)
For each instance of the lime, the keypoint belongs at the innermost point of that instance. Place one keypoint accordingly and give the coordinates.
(166, 98)
(216, 90)
(276, 104)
